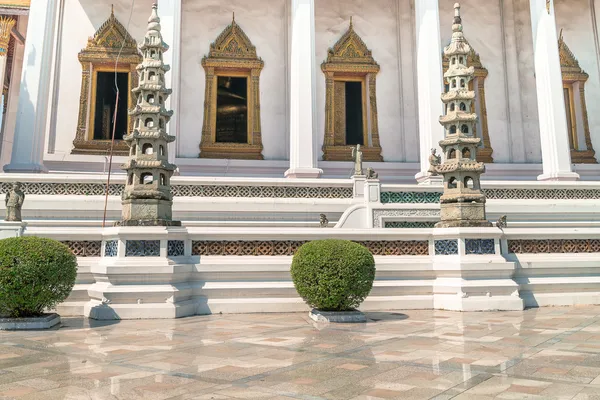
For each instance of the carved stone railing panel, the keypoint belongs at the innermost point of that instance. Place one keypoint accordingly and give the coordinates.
(554, 246)
(289, 248)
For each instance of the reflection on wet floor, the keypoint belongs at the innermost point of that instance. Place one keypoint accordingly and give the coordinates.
(551, 353)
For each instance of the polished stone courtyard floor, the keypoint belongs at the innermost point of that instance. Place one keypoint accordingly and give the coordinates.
(551, 353)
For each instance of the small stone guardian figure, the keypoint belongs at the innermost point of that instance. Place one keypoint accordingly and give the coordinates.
(323, 221)
(357, 155)
(371, 174)
(434, 161)
(14, 201)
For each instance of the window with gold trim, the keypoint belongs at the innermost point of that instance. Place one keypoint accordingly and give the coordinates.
(351, 101)
(574, 79)
(484, 153)
(98, 92)
(232, 126)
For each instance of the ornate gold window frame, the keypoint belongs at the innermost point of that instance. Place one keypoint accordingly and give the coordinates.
(232, 54)
(484, 153)
(100, 55)
(350, 60)
(573, 74)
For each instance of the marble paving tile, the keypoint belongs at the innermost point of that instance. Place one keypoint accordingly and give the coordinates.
(548, 353)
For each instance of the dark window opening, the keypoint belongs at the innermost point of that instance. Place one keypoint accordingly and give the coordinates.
(232, 110)
(354, 114)
(105, 105)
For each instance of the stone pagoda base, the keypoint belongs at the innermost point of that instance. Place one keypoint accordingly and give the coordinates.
(145, 212)
(472, 274)
(457, 215)
(143, 273)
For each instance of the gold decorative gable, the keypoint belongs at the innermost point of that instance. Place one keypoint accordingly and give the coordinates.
(232, 43)
(101, 54)
(569, 64)
(572, 73)
(107, 41)
(350, 49)
(350, 60)
(484, 154)
(232, 54)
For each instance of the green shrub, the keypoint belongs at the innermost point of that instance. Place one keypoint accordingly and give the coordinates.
(35, 274)
(333, 275)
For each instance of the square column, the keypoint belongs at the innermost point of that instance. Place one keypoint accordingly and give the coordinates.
(303, 123)
(170, 19)
(556, 154)
(28, 146)
(429, 83)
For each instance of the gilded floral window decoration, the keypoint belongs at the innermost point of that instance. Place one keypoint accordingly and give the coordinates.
(351, 100)
(232, 126)
(98, 93)
(574, 79)
(484, 154)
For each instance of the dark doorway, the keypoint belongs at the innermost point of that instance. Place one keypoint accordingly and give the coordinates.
(354, 114)
(232, 110)
(105, 105)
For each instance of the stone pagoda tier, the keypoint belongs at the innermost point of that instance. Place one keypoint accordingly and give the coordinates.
(147, 199)
(462, 204)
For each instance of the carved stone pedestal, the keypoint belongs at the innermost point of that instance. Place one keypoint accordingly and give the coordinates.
(11, 229)
(472, 274)
(143, 274)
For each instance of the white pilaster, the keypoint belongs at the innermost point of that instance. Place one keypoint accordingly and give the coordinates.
(28, 146)
(556, 156)
(303, 124)
(429, 81)
(169, 12)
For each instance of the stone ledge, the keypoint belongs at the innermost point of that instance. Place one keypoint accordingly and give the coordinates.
(338, 317)
(46, 321)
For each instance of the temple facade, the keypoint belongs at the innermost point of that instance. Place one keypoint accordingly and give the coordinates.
(287, 87)
(458, 147)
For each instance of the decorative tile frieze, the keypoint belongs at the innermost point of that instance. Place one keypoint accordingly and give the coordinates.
(408, 225)
(480, 246)
(84, 249)
(496, 194)
(410, 197)
(98, 189)
(111, 248)
(379, 216)
(446, 247)
(176, 248)
(142, 248)
(289, 248)
(558, 246)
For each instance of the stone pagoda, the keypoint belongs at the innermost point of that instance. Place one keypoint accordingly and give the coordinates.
(463, 204)
(147, 199)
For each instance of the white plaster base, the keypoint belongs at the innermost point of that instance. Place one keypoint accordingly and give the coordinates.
(29, 324)
(303, 173)
(562, 176)
(347, 317)
(11, 229)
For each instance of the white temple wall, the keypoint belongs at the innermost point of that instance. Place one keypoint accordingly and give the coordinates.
(81, 19)
(265, 23)
(527, 85)
(574, 17)
(376, 21)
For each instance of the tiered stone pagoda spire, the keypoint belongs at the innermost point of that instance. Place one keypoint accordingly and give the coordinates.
(463, 204)
(147, 199)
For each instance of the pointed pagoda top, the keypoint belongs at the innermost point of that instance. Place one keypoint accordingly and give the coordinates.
(458, 44)
(351, 23)
(154, 20)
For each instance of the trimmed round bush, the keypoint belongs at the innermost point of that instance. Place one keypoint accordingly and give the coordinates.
(35, 274)
(333, 275)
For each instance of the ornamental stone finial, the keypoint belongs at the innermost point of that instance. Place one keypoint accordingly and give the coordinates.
(463, 203)
(147, 199)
